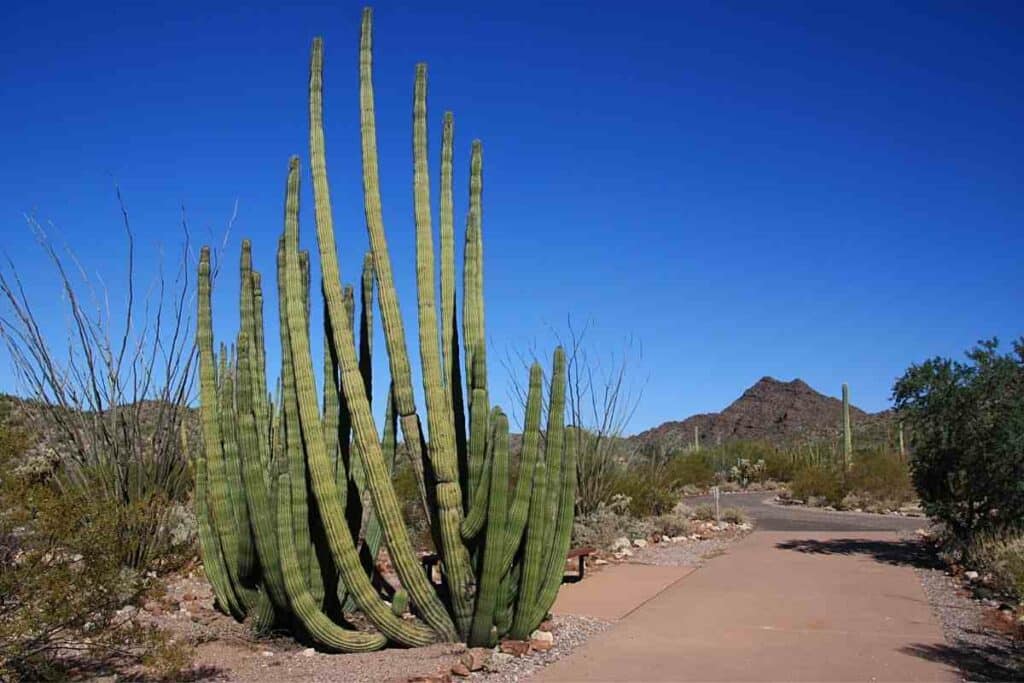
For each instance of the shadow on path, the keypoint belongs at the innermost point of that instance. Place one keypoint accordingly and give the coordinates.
(977, 663)
(910, 553)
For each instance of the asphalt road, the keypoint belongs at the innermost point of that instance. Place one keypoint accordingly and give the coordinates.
(770, 517)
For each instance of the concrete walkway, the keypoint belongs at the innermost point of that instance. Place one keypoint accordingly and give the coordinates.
(777, 606)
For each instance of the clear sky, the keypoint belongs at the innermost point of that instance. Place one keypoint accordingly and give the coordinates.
(824, 190)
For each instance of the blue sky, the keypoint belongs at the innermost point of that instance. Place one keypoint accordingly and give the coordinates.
(820, 190)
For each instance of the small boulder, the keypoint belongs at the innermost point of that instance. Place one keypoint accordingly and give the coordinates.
(598, 561)
(460, 669)
(971, 575)
(542, 641)
(308, 652)
(620, 543)
(640, 542)
(475, 659)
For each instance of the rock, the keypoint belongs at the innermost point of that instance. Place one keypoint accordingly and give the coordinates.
(620, 543)
(475, 659)
(440, 677)
(547, 625)
(640, 542)
(971, 575)
(498, 661)
(598, 561)
(515, 647)
(746, 526)
(460, 669)
(542, 641)
(267, 653)
(308, 652)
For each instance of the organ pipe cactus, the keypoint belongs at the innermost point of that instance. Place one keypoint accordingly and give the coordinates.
(294, 494)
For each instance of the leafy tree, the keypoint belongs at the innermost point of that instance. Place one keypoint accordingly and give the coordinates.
(966, 422)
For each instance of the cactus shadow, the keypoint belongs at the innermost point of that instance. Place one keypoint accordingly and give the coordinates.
(907, 553)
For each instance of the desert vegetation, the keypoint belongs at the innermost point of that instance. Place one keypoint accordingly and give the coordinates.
(966, 427)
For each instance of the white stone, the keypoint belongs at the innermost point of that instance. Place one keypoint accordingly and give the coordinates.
(542, 636)
(620, 543)
(308, 652)
(640, 542)
(267, 653)
(971, 575)
(599, 561)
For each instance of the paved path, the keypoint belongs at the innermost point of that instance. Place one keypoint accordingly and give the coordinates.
(777, 606)
(771, 517)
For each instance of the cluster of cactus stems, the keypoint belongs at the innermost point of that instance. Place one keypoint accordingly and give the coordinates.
(294, 492)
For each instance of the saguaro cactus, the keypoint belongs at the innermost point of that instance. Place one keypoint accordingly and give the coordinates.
(847, 433)
(281, 483)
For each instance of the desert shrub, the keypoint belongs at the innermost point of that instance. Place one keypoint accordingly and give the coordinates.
(610, 521)
(109, 401)
(780, 467)
(690, 469)
(1001, 557)
(966, 428)
(671, 524)
(598, 466)
(704, 512)
(819, 481)
(62, 583)
(880, 477)
(734, 515)
(649, 491)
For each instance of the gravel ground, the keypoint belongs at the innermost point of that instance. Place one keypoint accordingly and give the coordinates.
(685, 553)
(975, 643)
(570, 632)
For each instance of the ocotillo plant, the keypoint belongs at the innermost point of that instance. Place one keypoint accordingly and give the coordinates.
(282, 482)
(847, 434)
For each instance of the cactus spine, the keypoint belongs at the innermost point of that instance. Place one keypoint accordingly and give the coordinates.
(281, 484)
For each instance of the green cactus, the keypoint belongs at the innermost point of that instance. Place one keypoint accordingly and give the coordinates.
(847, 433)
(294, 496)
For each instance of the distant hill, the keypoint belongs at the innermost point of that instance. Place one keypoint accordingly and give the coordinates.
(781, 413)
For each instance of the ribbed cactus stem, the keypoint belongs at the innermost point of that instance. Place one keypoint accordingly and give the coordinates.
(378, 477)
(494, 542)
(316, 623)
(440, 420)
(542, 531)
(527, 464)
(219, 513)
(387, 296)
(472, 303)
(847, 433)
(322, 477)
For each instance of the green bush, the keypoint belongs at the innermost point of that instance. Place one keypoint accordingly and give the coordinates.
(704, 513)
(671, 524)
(601, 527)
(880, 477)
(966, 427)
(780, 467)
(734, 515)
(690, 469)
(62, 581)
(648, 490)
(819, 481)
